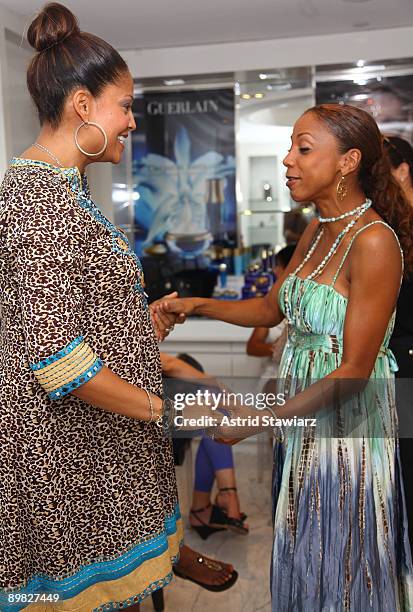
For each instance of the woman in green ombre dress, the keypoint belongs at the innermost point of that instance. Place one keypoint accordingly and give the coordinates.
(340, 529)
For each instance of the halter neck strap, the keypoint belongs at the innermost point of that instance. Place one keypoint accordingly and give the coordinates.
(355, 236)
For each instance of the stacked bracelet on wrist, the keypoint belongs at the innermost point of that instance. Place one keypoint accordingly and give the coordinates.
(168, 412)
(150, 406)
(157, 420)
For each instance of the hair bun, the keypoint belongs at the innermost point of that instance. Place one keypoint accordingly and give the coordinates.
(52, 26)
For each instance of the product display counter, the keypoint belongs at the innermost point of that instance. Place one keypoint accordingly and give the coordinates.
(219, 347)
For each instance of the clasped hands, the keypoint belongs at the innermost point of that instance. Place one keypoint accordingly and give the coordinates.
(166, 313)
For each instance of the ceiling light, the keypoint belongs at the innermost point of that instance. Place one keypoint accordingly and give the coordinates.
(119, 196)
(259, 95)
(246, 96)
(263, 76)
(172, 82)
(247, 213)
(360, 63)
(360, 81)
(237, 88)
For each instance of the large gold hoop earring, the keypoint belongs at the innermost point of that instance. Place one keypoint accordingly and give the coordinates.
(105, 144)
(341, 189)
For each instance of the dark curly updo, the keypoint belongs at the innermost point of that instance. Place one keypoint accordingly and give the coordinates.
(354, 128)
(67, 58)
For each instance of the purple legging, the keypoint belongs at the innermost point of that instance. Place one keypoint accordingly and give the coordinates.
(211, 456)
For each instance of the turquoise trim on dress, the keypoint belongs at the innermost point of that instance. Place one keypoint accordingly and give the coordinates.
(62, 353)
(82, 378)
(102, 570)
(77, 382)
(138, 598)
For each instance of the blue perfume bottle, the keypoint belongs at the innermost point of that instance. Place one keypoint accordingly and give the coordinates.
(223, 275)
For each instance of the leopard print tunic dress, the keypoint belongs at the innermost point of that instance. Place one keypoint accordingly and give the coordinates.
(89, 518)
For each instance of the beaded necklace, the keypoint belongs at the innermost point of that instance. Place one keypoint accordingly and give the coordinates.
(349, 213)
(334, 246)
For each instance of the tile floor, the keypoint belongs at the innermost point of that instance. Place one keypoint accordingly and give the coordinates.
(250, 554)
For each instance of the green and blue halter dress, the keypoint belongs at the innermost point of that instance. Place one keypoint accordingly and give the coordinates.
(340, 529)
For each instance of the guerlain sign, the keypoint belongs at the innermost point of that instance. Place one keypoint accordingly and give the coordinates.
(184, 171)
(181, 107)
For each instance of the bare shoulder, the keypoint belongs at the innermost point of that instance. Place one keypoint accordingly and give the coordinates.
(377, 247)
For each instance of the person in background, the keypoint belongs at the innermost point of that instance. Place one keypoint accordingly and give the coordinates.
(213, 461)
(400, 154)
(265, 342)
(296, 220)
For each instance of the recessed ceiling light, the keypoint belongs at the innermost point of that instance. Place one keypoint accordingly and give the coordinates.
(263, 76)
(360, 81)
(246, 96)
(259, 95)
(171, 82)
(360, 63)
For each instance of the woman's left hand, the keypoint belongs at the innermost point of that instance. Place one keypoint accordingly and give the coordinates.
(164, 322)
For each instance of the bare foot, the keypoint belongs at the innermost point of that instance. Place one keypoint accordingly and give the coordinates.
(203, 569)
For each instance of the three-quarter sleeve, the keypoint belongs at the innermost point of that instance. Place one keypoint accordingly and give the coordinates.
(47, 249)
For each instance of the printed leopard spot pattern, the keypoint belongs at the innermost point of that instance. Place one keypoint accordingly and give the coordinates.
(77, 484)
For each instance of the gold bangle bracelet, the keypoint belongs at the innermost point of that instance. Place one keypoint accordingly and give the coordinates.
(150, 406)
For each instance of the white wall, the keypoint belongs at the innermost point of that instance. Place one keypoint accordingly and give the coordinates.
(282, 53)
(22, 124)
(11, 22)
(100, 181)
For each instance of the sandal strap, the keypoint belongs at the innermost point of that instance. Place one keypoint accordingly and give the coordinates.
(193, 511)
(196, 512)
(210, 564)
(227, 489)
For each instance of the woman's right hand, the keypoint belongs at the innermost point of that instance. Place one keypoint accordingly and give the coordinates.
(178, 306)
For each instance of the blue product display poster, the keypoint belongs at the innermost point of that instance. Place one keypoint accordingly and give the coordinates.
(183, 170)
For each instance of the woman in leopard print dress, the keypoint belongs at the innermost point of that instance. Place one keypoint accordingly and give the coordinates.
(88, 505)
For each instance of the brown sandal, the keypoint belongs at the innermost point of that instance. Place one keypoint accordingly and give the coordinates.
(212, 565)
